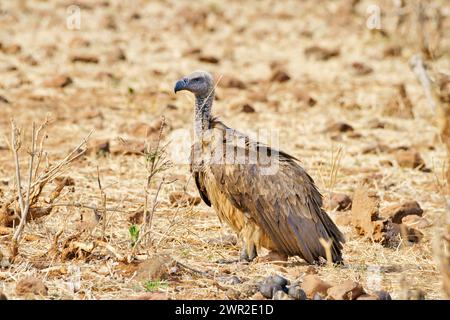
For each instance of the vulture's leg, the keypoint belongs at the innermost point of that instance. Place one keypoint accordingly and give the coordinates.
(248, 254)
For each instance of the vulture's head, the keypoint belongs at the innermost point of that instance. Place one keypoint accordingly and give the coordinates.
(199, 83)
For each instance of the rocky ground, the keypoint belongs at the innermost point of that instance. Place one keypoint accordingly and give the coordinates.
(337, 91)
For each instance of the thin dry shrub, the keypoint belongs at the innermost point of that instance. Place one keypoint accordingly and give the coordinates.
(27, 202)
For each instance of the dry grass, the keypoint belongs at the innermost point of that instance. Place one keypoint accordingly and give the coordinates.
(81, 250)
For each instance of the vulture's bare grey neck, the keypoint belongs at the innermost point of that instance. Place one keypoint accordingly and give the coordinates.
(203, 105)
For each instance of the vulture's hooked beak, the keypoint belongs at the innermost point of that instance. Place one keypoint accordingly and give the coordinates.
(180, 85)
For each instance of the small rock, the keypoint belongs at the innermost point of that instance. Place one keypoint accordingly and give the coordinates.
(272, 284)
(60, 81)
(277, 279)
(279, 75)
(78, 42)
(338, 201)
(312, 284)
(91, 114)
(108, 22)
(128, 147)
(229, 81)
(249, 289)
(98, 147)
(140, 129)
(84, 58)
(11, 49)
(257, 296)
(31, 286)
(398, 211)
(3, 296)
(116, 56)
(320, 53)
(297, 293)
(414, 221)
(30, 60)
(233, 294)
(413, 235)
(415, 294)
(394, 231)
(348, 290)
(183, 199)
(409, 159)
(383, 295)
(317, 296)
(136, 217)
(247, 108)
(311, 270)
(281, 295)
(376, 124)
(303, 96)
(361, 69)
(208, 59)
(155, 268)
(4, 100)
(386, 163)
(135, 16)
(338, 127)
(257, 96)
(392, 51)
(268, 290)
(367, 297)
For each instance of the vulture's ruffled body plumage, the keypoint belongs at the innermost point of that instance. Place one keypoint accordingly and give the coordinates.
(261, 193)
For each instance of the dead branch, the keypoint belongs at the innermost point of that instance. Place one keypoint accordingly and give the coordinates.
(24, 205)
(27, 196)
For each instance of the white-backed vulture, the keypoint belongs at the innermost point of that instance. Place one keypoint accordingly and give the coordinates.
(263, 194)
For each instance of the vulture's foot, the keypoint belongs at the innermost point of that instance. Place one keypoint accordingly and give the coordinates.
(273, 256)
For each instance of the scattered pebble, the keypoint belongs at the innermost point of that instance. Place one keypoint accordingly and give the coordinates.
(279, 75)
(320, 53)
(272, 284)
(59, 81)
(337, 201)
(297, 293)
(409, 159)
(281, 295)
(397, 212)
(312, 284)
(31, 286)
(84, 58)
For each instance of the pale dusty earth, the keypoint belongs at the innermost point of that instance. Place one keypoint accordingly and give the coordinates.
(133, 52)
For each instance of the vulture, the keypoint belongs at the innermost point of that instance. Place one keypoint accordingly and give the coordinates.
(262, 193)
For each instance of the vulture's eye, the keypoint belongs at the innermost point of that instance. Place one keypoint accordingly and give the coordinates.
(195, 80)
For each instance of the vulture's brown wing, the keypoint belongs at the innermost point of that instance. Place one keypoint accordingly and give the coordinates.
(198, 175)
(286, 204)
